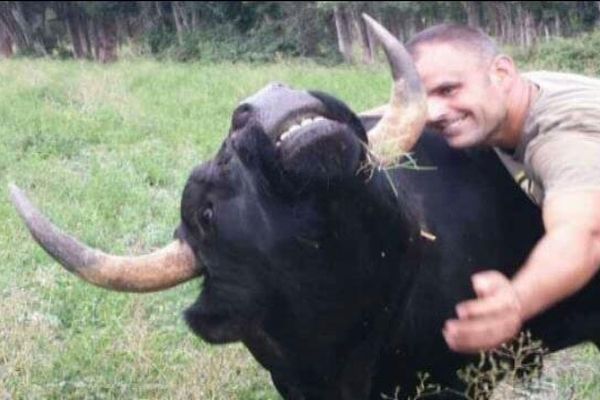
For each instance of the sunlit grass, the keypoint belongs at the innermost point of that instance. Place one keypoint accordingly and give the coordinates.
(105, 151)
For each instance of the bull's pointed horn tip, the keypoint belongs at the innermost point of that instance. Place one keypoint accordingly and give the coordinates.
(14, 191)
(370, 20)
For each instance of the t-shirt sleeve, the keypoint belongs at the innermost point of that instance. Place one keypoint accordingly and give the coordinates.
(566, 161)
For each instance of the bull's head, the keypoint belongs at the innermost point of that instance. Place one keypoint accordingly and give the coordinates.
(286, 198)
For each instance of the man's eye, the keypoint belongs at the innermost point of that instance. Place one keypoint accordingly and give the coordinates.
(447, 91)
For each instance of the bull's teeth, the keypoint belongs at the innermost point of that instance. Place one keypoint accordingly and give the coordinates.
(292, 129)
(285, 135)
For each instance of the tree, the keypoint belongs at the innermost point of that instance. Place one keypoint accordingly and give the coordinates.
(261, 30)
(343, 28)
(6, 44)
(23, 23)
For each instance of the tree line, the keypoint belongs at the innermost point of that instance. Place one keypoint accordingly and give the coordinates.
(242, 30)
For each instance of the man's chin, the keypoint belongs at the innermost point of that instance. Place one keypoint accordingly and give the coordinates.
(458, 140)
(455, 140)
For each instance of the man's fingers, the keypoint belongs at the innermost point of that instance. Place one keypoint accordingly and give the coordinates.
(487, 282)
(472, 336)
(485, 307)
(488, 321)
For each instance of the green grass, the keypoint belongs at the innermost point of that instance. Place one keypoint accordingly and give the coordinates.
(580, 55)
(105, 151)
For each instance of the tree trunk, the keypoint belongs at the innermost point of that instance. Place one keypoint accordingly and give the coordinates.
(17, 36)
(365, 40)
(94, 38)
(473, 10)
(146, 17)
(521, 24)
(72, 20)
(195, 21)
(84, 36)
(6, 44)
(344, 33)
(107, 38)
(178, 18)
(159, 11)
(495, 22)
(557, 25)
(29, 43)
(530, 31)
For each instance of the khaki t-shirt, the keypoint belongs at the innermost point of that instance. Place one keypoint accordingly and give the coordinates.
(560, 146)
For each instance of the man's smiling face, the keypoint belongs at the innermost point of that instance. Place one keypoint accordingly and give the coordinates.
(465, 99)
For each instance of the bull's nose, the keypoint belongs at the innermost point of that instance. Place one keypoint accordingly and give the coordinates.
(278, 85)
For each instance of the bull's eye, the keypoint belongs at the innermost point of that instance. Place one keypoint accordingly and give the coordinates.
(206, 217)
(203, 219)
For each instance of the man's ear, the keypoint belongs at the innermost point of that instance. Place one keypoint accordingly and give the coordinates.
(502, 70)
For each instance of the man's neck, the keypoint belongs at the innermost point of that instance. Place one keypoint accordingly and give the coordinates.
(520, 99)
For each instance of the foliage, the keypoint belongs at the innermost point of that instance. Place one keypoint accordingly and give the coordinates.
(580, 55)
(265, 30)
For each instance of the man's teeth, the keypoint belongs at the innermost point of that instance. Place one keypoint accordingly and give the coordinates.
(459, 119)
(294, 128)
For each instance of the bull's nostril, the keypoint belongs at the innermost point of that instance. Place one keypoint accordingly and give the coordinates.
(245, 107)
(278, 85)
(241, 116)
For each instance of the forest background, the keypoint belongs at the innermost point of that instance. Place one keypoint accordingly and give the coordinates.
(328, 32)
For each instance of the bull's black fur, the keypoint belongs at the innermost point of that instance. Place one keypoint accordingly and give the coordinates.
(316, 264)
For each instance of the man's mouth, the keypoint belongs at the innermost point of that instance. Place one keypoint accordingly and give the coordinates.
(450, 126)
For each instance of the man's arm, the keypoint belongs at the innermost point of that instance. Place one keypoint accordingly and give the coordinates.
(566, 258)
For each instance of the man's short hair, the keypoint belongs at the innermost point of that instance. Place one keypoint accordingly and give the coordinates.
(461, 35)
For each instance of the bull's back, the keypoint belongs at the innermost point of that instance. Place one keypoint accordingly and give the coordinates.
(476, 218)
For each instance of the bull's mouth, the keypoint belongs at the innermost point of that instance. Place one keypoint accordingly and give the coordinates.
(307, 130)
(300, 126)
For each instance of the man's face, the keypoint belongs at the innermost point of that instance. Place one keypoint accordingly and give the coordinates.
(465, 99)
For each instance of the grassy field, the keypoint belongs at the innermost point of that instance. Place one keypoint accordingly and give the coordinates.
(105, 151)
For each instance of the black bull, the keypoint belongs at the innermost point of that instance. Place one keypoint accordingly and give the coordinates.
(316, 260)
(336, 274)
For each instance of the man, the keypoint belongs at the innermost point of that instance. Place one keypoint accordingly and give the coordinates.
(547, 123)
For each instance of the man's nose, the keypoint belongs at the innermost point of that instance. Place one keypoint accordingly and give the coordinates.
(436, 110)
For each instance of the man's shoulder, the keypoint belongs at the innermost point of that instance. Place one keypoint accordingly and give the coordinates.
(552, 81)
(564, 97)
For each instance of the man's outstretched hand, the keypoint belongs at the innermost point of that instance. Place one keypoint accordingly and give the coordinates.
(488, 321)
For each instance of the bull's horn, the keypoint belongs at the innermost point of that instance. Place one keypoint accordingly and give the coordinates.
(405, 115)
(159, 270)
